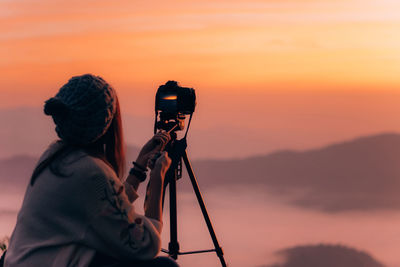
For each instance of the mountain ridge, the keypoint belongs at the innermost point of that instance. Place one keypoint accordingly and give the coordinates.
(355, 175)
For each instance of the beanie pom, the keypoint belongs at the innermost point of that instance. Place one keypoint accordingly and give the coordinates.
(54, 107)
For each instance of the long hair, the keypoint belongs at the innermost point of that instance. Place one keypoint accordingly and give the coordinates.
(113, 144)
(110, 148)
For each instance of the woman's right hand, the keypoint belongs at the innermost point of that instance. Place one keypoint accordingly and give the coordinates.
(153, 201)
(155, 145)
(162, 164)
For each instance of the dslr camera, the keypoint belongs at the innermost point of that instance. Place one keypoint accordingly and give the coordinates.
(173, 103)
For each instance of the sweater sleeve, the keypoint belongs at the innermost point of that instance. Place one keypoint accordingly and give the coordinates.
(115, 229)
(130, 192)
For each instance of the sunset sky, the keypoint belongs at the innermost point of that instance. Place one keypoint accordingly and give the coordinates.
(269, 75)
(269, 66)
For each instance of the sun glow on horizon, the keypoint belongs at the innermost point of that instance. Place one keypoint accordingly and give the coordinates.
(223, 46)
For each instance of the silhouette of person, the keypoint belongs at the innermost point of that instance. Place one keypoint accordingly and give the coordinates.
(77, 210)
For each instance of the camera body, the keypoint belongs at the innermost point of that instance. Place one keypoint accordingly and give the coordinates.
(173, 103)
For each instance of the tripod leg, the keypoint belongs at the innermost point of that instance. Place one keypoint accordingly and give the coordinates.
(203, 208)
(173, 246)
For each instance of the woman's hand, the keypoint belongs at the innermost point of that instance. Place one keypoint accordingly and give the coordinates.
(153, 201)
(161, 166)
(156, 144)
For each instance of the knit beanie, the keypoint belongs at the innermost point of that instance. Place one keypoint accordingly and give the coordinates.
(82, 109)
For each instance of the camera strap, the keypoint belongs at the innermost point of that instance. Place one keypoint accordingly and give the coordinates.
(187, 128)
(155, 122)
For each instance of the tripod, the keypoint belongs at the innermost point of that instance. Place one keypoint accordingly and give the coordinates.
(177, 152)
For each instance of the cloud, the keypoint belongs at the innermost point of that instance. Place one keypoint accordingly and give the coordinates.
(263, 44)
(26, 19)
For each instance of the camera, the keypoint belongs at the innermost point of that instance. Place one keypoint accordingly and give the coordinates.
(173, 103)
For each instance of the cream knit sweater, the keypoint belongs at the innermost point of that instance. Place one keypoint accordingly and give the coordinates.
(65, 220)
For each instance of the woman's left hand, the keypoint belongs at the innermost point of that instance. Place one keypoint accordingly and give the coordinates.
(156, 144)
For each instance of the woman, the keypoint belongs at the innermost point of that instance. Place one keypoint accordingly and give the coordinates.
(77, 210)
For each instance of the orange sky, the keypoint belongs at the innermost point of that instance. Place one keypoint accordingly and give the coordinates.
(246, 50)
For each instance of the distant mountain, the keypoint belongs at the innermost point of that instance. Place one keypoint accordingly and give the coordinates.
(16, 171)
(326, 256)
(361, 174)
